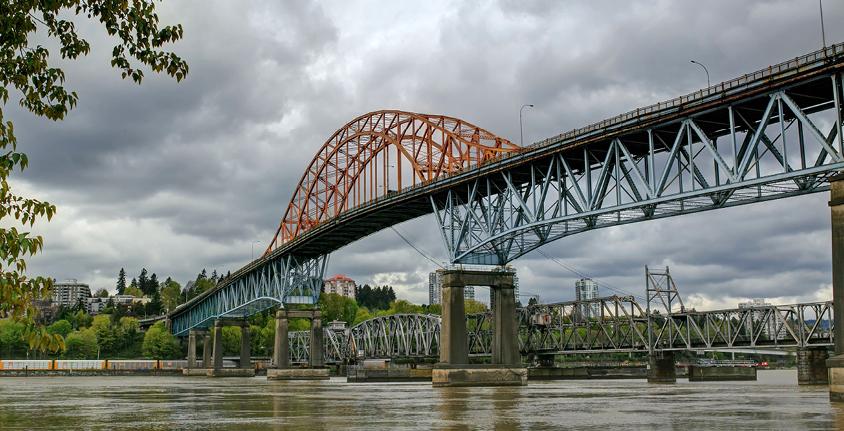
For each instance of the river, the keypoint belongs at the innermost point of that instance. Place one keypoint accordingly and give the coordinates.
(150, 403)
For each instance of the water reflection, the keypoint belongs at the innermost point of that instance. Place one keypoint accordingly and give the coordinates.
(149, 403)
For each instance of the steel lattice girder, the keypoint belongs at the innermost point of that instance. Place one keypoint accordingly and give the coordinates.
(620, 325)
(286, 279)
(740, 150)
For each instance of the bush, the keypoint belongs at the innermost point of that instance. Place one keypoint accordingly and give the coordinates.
(159, 343)
(81, 345)
(60, 327)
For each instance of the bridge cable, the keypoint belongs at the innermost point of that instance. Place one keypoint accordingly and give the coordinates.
(582, 275)
(422, 253)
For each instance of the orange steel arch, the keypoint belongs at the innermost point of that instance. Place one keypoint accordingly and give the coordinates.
(354, 167)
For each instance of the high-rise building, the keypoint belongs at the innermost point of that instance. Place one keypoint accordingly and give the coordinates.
(435, 288)
(341, 285)
(759, 307)
(586, 289)
(69, 292)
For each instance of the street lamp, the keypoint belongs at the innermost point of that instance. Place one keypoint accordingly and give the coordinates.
(521, 128)
(253, 248)
(708, 84)
(823, 32)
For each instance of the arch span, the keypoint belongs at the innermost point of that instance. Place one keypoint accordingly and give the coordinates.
(378, 154)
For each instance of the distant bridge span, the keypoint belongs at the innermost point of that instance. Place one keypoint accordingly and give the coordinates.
(771, 134)
(621, 326)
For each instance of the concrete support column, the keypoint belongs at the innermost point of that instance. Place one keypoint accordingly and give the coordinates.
(811, 366)
(316, 350)
(245, 346)
(505, 342)
(218, 345)
(206, 351)
(836, 363)
(454, 342)
(281, 348)
(661, 368)
(192, 349)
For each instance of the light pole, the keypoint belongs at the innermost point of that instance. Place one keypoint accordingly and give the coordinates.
(521, 128)
(708, 84)
(823, 32)
(253, 248)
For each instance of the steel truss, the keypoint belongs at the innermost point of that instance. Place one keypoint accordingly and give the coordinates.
(622, 325)
(282, 280)
(745, 147)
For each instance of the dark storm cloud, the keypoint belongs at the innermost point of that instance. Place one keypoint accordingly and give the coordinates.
(184, 176)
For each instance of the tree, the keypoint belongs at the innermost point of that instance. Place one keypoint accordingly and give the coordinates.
(60, 327)
(473, 307)
(25, 69)
(337, 307)
(134, 291)
(81, 345)
(361, 315)
(153, 283)
(121, 281)
(143, 281)
(159, 343)
(171, 294)
(12, 341)
(154, 306)
(102, 293)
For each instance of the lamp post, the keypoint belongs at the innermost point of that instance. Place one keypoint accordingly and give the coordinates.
(253, 248)
(708, 84)
(823, 32)
(521, 128)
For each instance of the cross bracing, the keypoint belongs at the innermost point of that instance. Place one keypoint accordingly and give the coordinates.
(737, 149)
(622, 325)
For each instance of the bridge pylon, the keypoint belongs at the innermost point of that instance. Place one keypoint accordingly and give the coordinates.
(836, 363)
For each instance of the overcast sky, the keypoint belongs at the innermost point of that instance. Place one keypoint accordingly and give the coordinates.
(180, 177)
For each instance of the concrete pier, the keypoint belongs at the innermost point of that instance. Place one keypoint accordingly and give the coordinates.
(315, 357)
(281, 350)
(192, 349)
(811, 366)
(218, 345)
(721, 374)
(245, 346)
(661, 368)
(453, 368)
(206, 350)
(835, 364)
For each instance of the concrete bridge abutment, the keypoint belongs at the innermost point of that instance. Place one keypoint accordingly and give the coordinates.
(245, 369)
(454, 368)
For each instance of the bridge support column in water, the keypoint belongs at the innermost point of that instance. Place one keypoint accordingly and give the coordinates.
(192, 349)
(281, 350)
(206, 350)
(811, 366)
(454, 368)
(661, 367)
(836, 363)
(218, 345)
(245, 346)
(315, 358)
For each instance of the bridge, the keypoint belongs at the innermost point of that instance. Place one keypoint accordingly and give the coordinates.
(771, 134)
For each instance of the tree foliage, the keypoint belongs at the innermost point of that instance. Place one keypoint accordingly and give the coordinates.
(27, 74)
(159, 343)
(375, 298)
(337, 307)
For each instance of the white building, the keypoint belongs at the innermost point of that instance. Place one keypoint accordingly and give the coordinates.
(759, 307)
(69, 292)
(95, 305)
(341, 285)
(587, 289)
